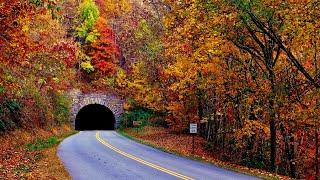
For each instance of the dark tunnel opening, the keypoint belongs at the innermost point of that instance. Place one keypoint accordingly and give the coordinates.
(95, 117)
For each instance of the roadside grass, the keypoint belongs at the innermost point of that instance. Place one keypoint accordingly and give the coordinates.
(42, 144)
(216, 162)
(50, 142)
(47, 163)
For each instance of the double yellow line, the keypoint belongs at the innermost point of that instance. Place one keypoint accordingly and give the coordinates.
(180, 176)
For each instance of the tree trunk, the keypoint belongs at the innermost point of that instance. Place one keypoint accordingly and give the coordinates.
(293, 168)
(209, 129)
(286, 152)
(272, 124)
(200, 107)
(200, 97)
(317, 153)
(316, 118)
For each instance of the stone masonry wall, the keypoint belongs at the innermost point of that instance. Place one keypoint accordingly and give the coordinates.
(110, 100)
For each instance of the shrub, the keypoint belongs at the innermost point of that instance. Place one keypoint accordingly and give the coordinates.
(137, 114)
(61, 105)
(9, 114)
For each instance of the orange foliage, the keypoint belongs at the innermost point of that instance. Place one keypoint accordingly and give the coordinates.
(104, 51)
(182, 144)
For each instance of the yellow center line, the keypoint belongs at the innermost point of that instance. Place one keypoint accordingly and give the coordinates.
(141, 160)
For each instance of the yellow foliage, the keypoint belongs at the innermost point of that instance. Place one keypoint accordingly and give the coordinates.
(117, 7)
(86, 66)
(251, 128)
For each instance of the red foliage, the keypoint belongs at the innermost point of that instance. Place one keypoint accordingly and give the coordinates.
(230, 114)
(102, 7)
(68, 50)
(106, 67)
(104, 51)
(13, 43)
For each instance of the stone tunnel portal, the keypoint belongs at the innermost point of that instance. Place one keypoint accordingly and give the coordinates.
(95, 117)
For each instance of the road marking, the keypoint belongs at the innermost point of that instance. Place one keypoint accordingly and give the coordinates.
(141, 160)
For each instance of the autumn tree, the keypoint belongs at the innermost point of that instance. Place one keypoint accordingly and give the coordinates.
(34, 73)
(89, 13)
(104, 51)
(243, 66)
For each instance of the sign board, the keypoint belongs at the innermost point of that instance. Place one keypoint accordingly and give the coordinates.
(193, 128)
(136, 123)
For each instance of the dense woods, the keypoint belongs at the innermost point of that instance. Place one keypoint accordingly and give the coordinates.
(247, 71)
(36, 65)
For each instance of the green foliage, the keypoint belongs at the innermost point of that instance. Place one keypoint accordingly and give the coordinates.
(87, 67)
(143, 29)
(36, 2)
(153, 45)
(159, 120)
(13, 105)
(2, 125)
(82, 57)
(42, 144)
(62, 108)
(82, 31)
(153, 48)
(89, 14)
(110, 81)
(128, 117)
(9, 111)
(256, 161)
(92, 36)
(256, 7)
(2, 89)
(209, 5)
(22, 169)
(136, 114)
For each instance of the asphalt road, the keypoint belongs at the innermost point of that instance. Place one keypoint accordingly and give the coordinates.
(101, 155)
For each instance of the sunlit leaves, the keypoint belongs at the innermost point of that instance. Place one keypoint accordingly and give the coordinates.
(116, 7)
(37, 61)
(189, 65)
(143, 29)
(104, 51)
(92, 36)
(252, 129)
(89, 14)
(87, 67)
(36, 2)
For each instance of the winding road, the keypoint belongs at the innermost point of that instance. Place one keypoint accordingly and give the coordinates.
(101, 155)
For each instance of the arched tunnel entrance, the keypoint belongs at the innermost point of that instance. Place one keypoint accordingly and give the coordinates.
(95, 117)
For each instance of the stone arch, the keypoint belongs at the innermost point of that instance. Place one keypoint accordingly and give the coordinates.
(112, 101)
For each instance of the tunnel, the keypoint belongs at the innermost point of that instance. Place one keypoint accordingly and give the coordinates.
(94, 117)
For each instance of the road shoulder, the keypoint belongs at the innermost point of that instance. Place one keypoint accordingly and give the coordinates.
(33, 155)
(136, 136)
